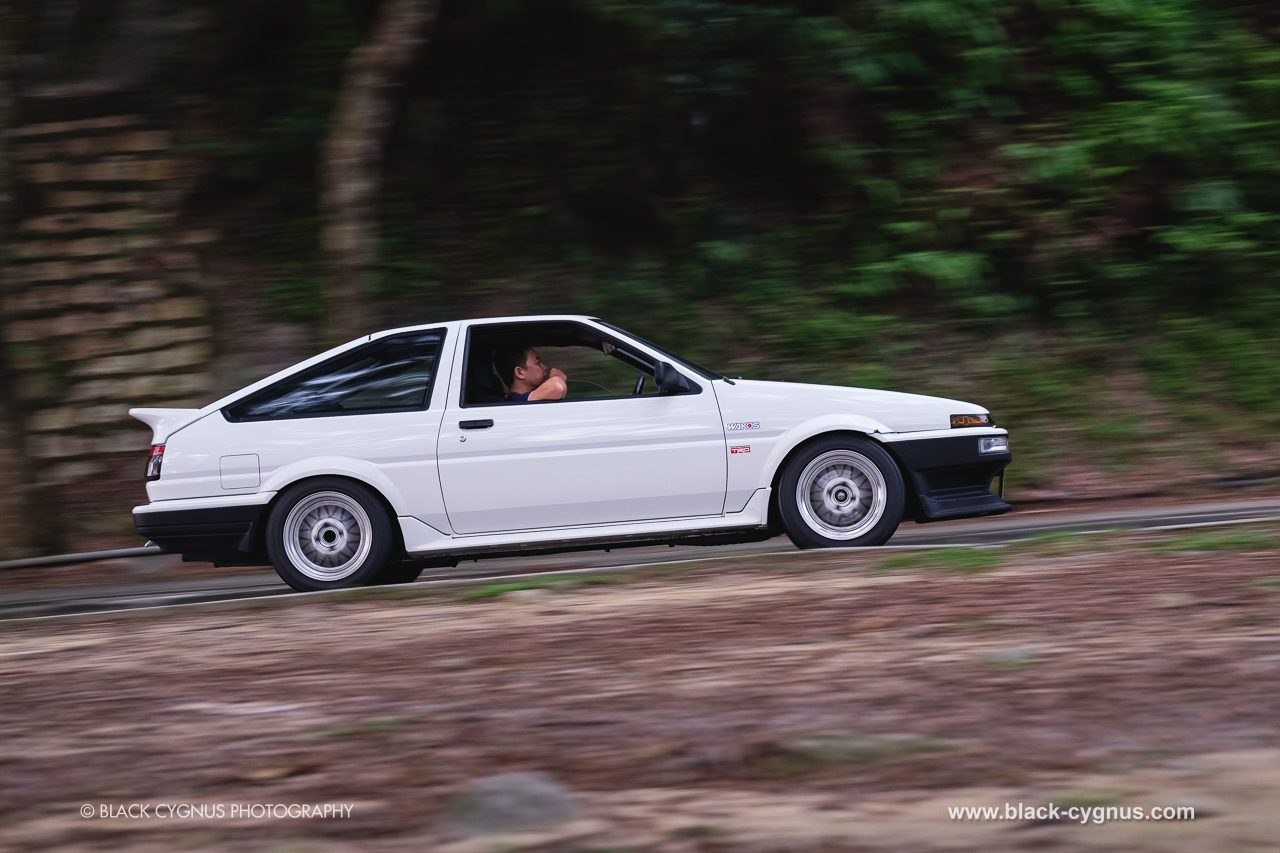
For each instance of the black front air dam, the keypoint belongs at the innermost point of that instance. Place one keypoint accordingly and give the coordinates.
(202, 533)
(951, 478)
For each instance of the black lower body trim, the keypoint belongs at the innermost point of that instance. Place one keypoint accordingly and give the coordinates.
(223, 535)
(718, 536)
(950, 478)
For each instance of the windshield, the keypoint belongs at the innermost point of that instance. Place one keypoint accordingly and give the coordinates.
(704, 372)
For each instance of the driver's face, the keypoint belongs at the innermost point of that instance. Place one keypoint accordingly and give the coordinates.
(535, 369)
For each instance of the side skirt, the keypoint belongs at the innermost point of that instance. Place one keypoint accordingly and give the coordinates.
(720, 536)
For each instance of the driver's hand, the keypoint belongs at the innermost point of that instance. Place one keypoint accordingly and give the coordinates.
(555, 371)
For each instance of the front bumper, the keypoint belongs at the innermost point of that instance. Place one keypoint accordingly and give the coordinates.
(950, 478)
(219, 534)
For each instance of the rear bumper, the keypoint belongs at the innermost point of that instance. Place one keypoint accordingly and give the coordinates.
(950, 478)
(220, 534)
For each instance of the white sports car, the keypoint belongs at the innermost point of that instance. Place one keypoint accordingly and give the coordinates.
(402, 450)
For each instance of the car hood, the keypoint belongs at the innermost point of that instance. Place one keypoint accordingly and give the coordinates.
(791, 401)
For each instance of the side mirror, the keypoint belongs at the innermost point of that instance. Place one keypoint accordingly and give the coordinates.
(669, 380)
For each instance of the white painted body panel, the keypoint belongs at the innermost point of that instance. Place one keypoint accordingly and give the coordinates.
(392, 452)
(422, 539)
(164, 422)
(924, 435)
(241, 471)
(583, 462)
(774, 417)
(573, 463)
(251, 499)
(545, 472)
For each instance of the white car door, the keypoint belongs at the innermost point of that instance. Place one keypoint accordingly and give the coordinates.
(571, 463)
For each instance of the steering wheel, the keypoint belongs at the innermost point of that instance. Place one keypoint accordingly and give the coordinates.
(639, 389)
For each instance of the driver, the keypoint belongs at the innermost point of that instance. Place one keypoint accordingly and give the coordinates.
(527, 376)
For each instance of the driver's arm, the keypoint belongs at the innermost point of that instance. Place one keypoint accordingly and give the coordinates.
(555, 388)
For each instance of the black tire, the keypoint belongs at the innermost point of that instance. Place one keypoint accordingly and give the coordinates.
(341, 535)
(855, 494)
(393, 573)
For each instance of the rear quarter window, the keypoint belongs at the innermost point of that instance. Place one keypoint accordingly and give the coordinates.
(392, 374)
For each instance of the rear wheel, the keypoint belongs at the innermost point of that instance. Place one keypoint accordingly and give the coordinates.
(329, 533)
(841, 491)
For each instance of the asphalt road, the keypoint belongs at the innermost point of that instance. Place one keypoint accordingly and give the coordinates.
(115, 594)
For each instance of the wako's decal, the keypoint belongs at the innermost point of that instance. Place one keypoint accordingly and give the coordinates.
(740, 425)
(740, 448)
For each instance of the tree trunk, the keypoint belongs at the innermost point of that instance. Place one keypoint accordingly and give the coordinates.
(351, 160)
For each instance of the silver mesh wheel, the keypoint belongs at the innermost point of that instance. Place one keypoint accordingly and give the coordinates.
(841, 494)
(327, 536)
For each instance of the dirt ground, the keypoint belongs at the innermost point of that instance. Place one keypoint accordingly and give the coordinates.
(819, 702)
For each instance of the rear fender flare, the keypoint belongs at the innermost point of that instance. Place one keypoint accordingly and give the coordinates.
(338, 466)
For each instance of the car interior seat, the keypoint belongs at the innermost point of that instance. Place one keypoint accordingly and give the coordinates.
(483, 385)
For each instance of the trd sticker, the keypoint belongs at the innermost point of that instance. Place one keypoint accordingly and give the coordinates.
(740, 448)
(740, 425)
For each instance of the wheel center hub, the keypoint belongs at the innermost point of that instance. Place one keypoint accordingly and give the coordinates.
(328, 536)
(840, 494)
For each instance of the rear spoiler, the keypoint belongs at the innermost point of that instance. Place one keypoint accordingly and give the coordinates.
(164, 422)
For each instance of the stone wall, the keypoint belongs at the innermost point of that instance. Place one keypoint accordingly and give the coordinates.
(106, 306)
(11, 510)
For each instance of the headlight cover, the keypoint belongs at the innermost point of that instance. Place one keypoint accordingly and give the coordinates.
(993, 444)
(965, 421)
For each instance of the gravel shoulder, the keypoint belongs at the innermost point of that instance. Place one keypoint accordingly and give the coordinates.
(823, 701)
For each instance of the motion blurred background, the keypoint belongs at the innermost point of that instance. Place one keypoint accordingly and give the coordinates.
(1067, 211)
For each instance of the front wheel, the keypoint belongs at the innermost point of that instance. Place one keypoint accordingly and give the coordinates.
(329, 533)
(841, 491)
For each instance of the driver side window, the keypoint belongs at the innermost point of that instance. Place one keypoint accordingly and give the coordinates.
(596, 367)
(594, 373)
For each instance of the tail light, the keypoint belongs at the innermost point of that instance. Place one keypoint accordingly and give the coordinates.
(155, 461)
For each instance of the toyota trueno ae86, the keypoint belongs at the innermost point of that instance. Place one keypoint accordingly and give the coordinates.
(408, 448)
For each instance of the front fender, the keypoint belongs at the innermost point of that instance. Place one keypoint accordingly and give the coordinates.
(806, 430)
(754, 457)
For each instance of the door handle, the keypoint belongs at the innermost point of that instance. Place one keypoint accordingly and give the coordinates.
(480, 424)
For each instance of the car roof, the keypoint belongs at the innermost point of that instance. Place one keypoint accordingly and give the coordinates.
(525, 318)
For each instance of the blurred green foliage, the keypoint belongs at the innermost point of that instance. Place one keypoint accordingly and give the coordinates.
(843, 189)
(984, 158)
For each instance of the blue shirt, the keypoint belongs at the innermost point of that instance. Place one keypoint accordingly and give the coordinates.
(519, 398)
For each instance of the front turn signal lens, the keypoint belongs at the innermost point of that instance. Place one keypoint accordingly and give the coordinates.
(961, 421)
